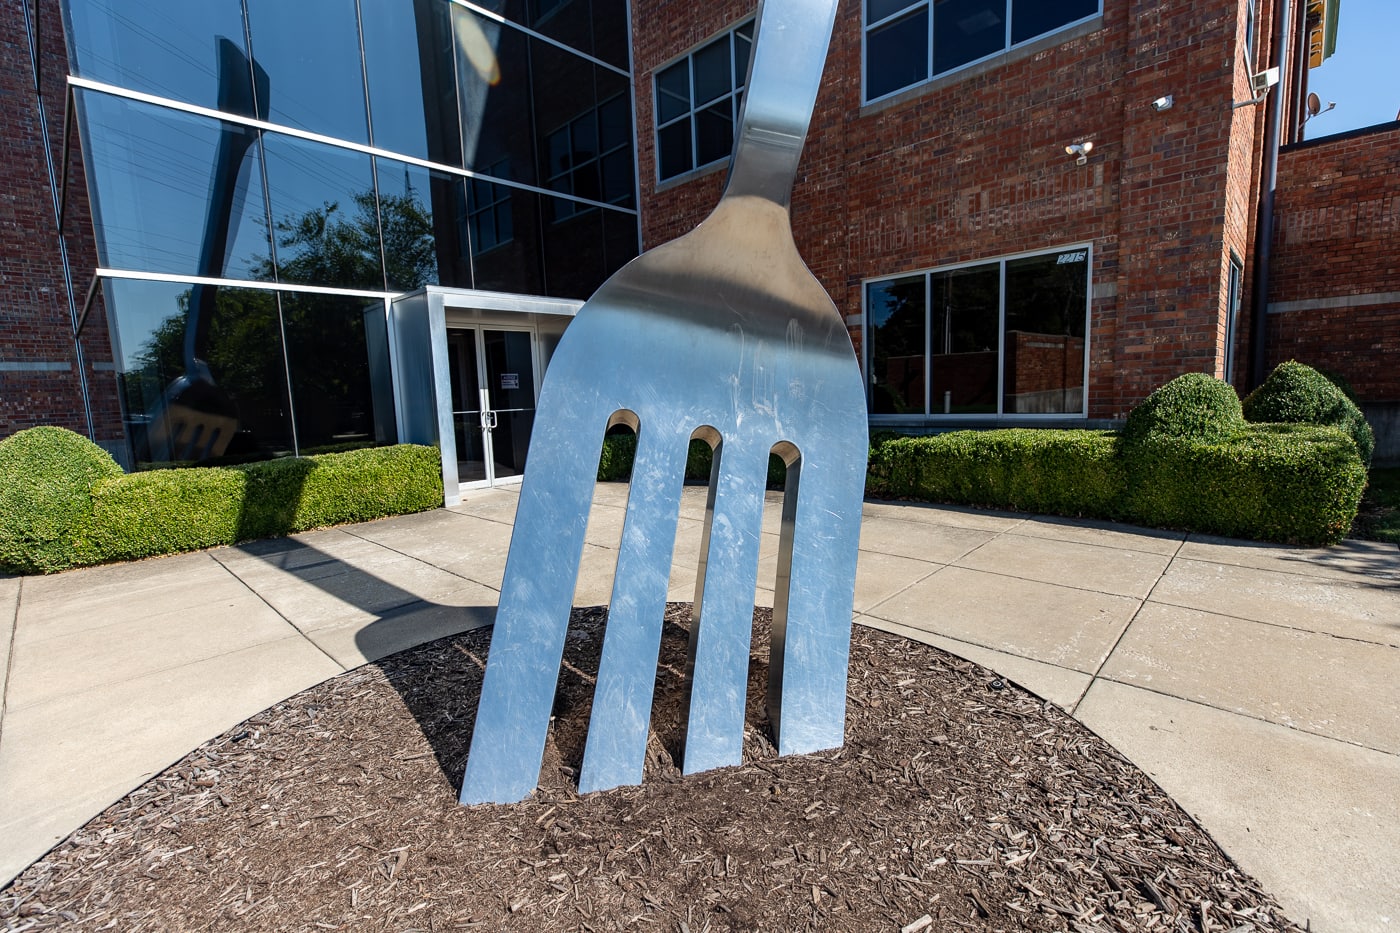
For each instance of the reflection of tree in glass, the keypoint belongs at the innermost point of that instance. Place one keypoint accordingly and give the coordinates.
(325, 334)
(327, 246)
(244, 353)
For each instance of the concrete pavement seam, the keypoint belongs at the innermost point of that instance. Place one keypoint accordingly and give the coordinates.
(1395, 645)
(9, 659)
(1234, 712)
(1123, 634)
(296, 628)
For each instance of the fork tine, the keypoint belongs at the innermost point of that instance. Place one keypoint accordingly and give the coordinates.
(621, 717)
(527, 645)
(720, 632)
(812, 613)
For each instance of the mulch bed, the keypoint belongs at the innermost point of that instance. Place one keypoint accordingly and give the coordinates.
(959, 802)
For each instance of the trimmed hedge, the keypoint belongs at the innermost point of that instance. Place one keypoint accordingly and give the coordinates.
(1298, 484)
(45, 475)
(129, 516)
(1298, 394)
(165, 511)
(1032, 469)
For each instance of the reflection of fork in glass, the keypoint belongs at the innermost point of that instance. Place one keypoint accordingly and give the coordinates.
(725, 335)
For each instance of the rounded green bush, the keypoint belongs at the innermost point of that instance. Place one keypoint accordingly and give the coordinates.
(1298, 394)
(46, 477)
(1193, 405)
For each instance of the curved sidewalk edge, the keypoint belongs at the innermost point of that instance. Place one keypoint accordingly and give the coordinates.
(1258, 685)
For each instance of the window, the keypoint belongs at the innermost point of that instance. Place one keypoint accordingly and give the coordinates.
(488, 211)
(1234, 293)
(907, 43)
(999, 338)
(591, 157)
(697, 103)
(1251, 31)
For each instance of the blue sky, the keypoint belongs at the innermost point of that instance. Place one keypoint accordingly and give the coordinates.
(1363, 77)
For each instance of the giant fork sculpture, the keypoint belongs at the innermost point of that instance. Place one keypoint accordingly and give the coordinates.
(722, 334)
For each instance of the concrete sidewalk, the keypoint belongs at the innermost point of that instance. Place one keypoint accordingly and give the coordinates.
(1259, 685)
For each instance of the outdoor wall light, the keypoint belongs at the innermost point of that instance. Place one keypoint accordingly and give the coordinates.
(1080, 151)
(1163, 103)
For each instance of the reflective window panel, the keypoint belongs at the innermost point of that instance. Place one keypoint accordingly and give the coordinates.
(240, 343)
(493, 88)
(966, 30)
(593, 27)
(1032, 18)
(896, 54)
(409, 47)
(575, 252)
(1046, 315)
(310, 52)
(490, 214)
(897, 339)
(898, 34)
(516, 262)
(323, 214)
(415, 237)
(164, 47)
(963, 343)
(335, 348)
(150, 174)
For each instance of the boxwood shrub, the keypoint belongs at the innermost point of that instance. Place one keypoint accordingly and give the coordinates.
(1193, 405)
(129, 516)
(1298, 394)
(1297, 484)
(1041, 470)
(45, 475)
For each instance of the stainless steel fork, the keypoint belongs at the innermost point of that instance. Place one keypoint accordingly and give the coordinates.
(722, 334)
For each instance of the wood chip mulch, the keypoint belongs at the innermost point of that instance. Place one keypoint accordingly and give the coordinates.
(959, 802)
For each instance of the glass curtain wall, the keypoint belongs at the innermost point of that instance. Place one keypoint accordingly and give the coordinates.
(1006, 337)
(412, 143)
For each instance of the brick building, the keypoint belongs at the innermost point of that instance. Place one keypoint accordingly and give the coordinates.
(1334, 295)
(919, 182)
(1029, 212)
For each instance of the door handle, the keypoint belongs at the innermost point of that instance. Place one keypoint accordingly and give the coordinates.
(488, 420)
(493, 420)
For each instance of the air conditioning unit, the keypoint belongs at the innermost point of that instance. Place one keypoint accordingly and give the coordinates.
(1261, 82)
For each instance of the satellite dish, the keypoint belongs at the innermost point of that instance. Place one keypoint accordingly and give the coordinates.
(1314, 104)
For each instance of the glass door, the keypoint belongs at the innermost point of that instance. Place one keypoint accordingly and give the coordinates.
(493, 401)
(510, 395)
(468, 423)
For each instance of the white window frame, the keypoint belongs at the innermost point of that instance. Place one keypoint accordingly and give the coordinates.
(929, 76)
(929, 415)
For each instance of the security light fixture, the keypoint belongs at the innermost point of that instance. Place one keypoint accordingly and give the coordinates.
(1163, 103)
(1080, 151)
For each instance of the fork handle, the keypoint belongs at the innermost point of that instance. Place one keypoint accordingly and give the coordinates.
(789, 55)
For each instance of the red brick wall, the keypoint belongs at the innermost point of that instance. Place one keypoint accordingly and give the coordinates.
(35, 326)
(974, 167)
(1334, 294)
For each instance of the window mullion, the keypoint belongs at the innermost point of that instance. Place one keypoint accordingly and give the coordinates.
(928, 349)
(1001, 338)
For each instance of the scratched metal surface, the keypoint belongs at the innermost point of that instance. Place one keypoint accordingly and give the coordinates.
(724, 334)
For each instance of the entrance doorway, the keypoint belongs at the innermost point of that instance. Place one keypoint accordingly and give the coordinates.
(493, 401)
